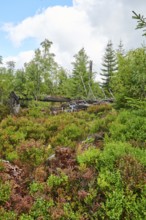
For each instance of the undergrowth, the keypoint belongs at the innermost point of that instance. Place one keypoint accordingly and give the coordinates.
(77, 166)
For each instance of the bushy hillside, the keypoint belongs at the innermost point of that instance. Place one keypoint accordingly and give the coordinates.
(78, 166)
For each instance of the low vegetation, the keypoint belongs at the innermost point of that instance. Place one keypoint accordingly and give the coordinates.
(83, 165)
(80, 165)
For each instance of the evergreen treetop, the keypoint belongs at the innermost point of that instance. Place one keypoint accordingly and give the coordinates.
(109, 65)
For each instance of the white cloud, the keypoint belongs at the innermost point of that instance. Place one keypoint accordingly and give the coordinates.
(88, 23)
(20, 59)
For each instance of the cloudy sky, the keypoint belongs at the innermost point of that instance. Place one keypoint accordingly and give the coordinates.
(70, 25)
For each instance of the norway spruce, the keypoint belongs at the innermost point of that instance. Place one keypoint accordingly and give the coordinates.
(109, 66)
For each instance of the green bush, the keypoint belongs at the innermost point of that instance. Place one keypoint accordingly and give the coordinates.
(99, 108)
(32, 153)
(112, 151)
(89, 156)
(86, 182)
(26, 217)
(7, 215)
(4, 111)
(128, 126)
(72, 131)
(68, 135)
(40, 209)
(35, 187)
(54, 181)
(5, 191)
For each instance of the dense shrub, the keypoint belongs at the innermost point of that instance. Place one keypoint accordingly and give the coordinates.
(4, 111)
(128, 126)
(99, 108)
(89, 157)
(32, 153)
(5, 190)
(78, 165)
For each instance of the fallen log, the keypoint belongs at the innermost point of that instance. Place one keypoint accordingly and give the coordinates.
(54, 99)
(67, 103)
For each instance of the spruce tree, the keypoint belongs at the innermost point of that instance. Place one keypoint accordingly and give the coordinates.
(80, 75)
(120, 49)
(109, 66)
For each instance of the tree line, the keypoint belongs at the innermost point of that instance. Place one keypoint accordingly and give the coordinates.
(123, 75)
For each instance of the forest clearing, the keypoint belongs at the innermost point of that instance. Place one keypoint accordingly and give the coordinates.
(73, 141)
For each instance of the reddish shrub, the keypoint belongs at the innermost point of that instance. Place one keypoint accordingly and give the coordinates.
(132, 172)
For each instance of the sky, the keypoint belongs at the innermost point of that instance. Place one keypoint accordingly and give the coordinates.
(70, 25)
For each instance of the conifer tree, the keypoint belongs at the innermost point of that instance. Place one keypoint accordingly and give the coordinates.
(120, 49)
(109, 66)
(141, 22)
(80, 75)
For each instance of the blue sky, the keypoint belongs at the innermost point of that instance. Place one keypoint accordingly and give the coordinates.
(17, 10)
(14, 11)
(70, 25)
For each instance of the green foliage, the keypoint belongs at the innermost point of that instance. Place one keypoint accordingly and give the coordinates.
(114, 204)
(135, 206)
(111, 183)
(136, 104)
(64, 130)
(70, 213)
(64, 83)
(82, 182)
(69, 132)
(5, 191)
(26, 217)
(99, 108)
(35, 110)
(32, 152)
(82, 78)
(6, 83)
(54, 181)
(141, 20)
(4, 111)
(122, 187)
(89, 156)
(35, 187)
(41, 209)
(40, 72)
(12, 156)
(56, 167)
(130, 80)
(128, 126)
(102, 122)
(109, 67)
(112, 151)
(7, 215)
(72, 131)
(2, 168)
